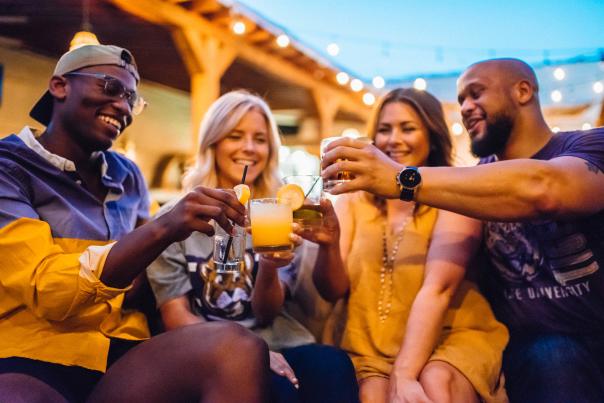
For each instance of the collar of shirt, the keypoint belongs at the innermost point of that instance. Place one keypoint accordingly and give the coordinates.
(111, 178)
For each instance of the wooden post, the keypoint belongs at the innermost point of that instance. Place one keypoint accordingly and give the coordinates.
(328, 103)
(206, 58)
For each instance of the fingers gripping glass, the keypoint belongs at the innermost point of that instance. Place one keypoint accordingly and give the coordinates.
(115, 89)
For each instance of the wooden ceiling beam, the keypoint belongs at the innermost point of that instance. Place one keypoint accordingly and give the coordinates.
(162, 12)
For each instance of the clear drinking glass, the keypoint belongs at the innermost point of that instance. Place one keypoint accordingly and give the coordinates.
(271, 224)
(234, 260)
(309, 215)
(343, 176)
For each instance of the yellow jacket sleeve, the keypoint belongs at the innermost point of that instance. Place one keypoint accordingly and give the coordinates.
(54, 277)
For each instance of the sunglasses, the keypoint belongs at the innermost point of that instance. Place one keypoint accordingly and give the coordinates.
(114, 88)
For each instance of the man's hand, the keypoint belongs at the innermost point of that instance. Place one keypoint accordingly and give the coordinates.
(194, 211)
(407, 390)
(373, 170)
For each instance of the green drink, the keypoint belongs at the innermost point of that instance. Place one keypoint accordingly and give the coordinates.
(308, 216)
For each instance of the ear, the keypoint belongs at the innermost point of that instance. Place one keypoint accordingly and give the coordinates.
(58, 87)
(524, 92)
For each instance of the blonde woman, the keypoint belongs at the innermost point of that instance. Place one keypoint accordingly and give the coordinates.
(415, 330)
(237, 131)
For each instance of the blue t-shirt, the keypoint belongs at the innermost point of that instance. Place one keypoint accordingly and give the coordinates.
(546, 276)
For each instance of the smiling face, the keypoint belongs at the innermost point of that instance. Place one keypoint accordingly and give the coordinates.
(402, 135)
(93, 118)
(247, 144)
(486, 108)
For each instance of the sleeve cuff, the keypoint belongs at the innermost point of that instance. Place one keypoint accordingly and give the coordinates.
(92, 262)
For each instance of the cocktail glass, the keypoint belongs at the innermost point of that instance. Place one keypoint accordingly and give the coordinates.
(309, 215)
(271, 224)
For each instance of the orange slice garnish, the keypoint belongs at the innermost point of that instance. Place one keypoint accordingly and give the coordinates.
(291, 194)
(242, 192)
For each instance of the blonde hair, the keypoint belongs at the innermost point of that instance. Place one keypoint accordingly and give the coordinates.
(220, 119)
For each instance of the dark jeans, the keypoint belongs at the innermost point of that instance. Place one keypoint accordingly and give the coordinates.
(325, 373)
(552, 368)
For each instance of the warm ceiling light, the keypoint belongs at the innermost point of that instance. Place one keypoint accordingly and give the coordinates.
(368, 98)
(559, 74)
(457, 129)
(556, 96)
(420, 84)
(283, 40)
(83, 38)
(239, 28)
(598, 87)
(356, 85)
(378, 82)
(333, 49)
(342, 78)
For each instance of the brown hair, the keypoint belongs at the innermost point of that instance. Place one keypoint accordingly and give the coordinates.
(430, 111)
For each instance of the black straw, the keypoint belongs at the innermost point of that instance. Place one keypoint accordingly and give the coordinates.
(230, 240)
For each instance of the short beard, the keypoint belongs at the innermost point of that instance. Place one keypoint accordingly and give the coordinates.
(496, 136)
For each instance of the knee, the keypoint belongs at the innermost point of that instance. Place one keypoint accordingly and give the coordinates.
(214, 343)
(19, 388)
(438, 378)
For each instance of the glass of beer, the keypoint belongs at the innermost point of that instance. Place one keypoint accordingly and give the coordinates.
(342, 176)
(309, 215)
(271, 224)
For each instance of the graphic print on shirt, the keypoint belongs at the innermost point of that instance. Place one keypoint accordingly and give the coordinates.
(521, 251)
(512, 253)
(221, 296)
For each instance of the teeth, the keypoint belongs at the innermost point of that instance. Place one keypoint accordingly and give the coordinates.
(111, 121)
(244, 162)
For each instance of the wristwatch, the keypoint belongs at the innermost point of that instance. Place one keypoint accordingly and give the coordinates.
(408, 180)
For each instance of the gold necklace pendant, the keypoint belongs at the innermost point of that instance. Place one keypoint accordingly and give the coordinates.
(387, 269)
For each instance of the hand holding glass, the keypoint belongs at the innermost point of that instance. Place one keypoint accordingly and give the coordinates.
(343, 176)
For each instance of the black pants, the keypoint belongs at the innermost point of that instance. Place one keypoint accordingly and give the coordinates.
(325, 373)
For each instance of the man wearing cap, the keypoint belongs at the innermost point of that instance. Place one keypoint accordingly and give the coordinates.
(540, 197)
(70, 254)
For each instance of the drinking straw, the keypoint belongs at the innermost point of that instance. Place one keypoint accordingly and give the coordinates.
(312, 187)
(230, 240)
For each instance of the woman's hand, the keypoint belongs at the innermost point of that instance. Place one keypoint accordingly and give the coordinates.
(328, 233)
(280, 259)
(280, 366)
(407, 390)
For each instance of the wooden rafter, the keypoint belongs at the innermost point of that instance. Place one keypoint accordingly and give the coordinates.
(166, 13)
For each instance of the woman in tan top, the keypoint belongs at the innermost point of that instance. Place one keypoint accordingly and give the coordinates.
(414, 328)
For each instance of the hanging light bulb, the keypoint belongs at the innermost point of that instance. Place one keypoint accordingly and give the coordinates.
(85, 36)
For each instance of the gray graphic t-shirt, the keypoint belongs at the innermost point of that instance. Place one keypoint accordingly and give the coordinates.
(547, 276)
(186, 269)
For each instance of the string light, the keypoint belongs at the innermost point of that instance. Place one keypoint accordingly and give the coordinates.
(239, 27)
(333, 49)
(598, 87)
(555, 129)
(586, 126)
(556, 96)
(420, 84)
(457, 129)
(378, 82)
(356, 85)
(368, 98)
(283, 40)
(342, 78)
(559, 73)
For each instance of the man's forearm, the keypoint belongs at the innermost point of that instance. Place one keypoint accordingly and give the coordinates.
(506, 191)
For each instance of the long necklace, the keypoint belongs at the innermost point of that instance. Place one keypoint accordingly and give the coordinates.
(387, 269)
